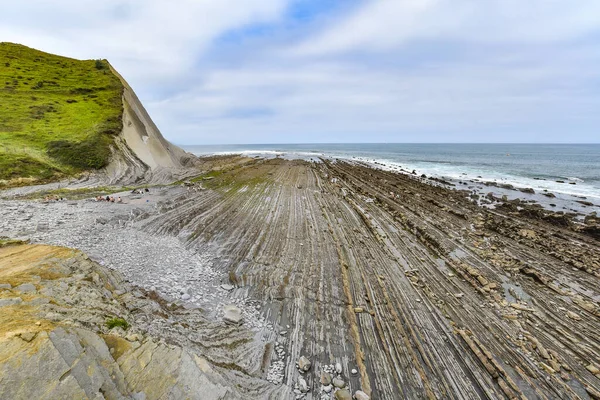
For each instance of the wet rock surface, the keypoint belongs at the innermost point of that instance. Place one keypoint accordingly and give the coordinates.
(418, 288)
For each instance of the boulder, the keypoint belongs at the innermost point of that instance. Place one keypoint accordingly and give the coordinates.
(233, 314)
(339, 382)
(304, 364)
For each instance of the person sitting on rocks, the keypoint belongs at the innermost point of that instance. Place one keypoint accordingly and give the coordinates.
(119, 200)
(146, 190)
(107, 198)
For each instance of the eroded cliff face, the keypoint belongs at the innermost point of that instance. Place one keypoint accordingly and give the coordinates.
(141, 152)
(55, 341)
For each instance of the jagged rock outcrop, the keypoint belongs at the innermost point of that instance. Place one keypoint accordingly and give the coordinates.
(57, 342)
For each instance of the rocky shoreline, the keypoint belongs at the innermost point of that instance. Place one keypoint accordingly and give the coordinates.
(388, 285)
(72, 328)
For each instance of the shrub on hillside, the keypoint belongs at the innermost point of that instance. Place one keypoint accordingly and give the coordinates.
(93, 152)
(117, 323)
(100, 64)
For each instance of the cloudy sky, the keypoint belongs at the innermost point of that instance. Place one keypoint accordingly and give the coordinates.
(308, 71)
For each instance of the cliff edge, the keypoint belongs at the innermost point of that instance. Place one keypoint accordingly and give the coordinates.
(141, 150)
(62, 118)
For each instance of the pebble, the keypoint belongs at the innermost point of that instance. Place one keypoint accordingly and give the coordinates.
(354, 372)
(325, 378)
(343, 394)
(338, 368)
(302, 385)
(360, 395)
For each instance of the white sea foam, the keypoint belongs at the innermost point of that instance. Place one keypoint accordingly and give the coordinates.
(440, 169)
(467, 173)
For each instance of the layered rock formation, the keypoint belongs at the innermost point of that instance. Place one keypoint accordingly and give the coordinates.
(57, 308)
(422, 291)
(350, 281)
(78, 119)
(142, 153)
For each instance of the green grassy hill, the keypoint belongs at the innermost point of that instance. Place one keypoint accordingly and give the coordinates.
(58, 116)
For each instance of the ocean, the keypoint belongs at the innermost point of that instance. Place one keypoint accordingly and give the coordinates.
(568, 169)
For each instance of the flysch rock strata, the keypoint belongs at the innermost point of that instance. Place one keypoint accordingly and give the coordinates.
(414, 290)
(55, 342)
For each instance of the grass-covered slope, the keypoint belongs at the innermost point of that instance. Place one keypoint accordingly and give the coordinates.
(58, 116)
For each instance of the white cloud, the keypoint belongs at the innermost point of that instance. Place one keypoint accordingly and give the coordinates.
(338, 102)
(151, 38)
(390, 70)
(386, 24)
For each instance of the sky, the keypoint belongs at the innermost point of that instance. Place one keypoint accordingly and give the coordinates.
(339, 71)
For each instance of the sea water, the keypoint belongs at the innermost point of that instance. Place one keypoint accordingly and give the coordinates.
(551, 167)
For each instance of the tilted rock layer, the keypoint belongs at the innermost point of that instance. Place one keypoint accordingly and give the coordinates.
(141, 152)
(55, 342)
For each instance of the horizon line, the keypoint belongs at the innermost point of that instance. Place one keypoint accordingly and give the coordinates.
(451, 143)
